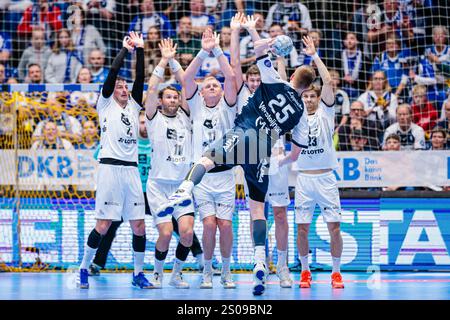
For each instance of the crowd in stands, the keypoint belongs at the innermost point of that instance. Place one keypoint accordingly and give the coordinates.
(390, 61)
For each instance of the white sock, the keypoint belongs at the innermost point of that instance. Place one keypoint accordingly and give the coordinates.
(89, 254)
(187, 186)
(225, 264)
(159, 266)
(177, 266)
(260, 254)
(138, 262)
(200, 260)
(208, 266)
(305, 263)
(336, 264)
(282, 257)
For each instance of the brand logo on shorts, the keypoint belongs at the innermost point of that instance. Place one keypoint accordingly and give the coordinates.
(110, 203)
(231, 142)
(139, 204)
(267, 63)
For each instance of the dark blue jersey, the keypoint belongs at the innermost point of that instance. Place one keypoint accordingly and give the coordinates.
(275, 106)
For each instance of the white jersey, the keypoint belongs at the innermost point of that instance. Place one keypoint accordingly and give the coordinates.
(209, 124)
(242, 97)
(320, 153)
(119, 129)
(171, 140)
(412, 139)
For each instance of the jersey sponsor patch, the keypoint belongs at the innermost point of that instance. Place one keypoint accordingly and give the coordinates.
(267, 63)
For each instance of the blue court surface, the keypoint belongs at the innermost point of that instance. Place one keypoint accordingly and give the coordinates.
(358, 286)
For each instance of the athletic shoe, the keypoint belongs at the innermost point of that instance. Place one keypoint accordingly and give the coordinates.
(179, 198)
(94, 270)
(336, 281)
(283, 275)
(141, 281)
(259, 278)
(157, 280)
(83, 282)
(177, 281)
(227, 280)
(305, 279)
(206, 281)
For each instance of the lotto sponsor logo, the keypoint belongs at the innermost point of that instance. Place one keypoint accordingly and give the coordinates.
(315, 151)
(127, 141)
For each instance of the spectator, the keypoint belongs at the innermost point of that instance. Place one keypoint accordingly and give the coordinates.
(381, 24)
(392, 143)
(101, 14)
(149, 18)
(51, 138)
(34, 74)
(378, 101)
(38, 53)
(187, 43)
(97, 66)
(358, 141)
(293, 17)
(200, 20)
(43, 16)
(438, 139)
(439, 54)
(90, 136)
(360, 25)
(64, 63)
(445, 123)
(5, 55)
(68, 126)
(342, 106)
(357, 121)
(422, 73)
(224, 10)
(84, 98)
(353, 66)
(151, 51)
(424, 114)
(246, 45)
(85, 36)
(390, 62)
(412, 137)
(3, 78)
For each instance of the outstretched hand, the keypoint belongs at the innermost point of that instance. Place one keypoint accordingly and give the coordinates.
(236, 21)
(137, 39)
(209, 40)
(249, 22)
(168, 49)
(128, 43)
(264, 44)
(309, 48)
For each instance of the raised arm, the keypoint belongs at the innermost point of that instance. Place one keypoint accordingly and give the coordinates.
(208, 43)
(151, 102)
(235, 26)
(281, 68)
(249, 24)
(230, 91)
(110, 82)
(138, 85)
(327, 94)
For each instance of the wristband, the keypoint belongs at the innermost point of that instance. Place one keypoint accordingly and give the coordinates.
(202, 54)
(174, 65)
(217, 52)
(315, 56)
(159, 72)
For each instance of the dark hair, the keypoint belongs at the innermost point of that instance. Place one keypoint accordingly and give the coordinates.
(171, 88)
(438, 130)
(119, 78)
(393, 136)
(34, 64)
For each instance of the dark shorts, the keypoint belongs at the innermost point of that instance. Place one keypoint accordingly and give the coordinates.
(251, 150)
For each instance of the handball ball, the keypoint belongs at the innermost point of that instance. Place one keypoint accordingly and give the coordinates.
(282, 45)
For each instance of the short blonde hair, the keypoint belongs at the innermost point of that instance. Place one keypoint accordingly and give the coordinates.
(419, 88)
(303, 77)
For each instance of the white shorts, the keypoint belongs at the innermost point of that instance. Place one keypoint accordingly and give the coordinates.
(157, 193)
(119, 193)
(216, 194)
(321, 189)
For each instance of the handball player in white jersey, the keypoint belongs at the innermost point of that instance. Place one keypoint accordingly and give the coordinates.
(278, 189)
(316, 182)
(119, 191)
(213, 111)
(169, 131)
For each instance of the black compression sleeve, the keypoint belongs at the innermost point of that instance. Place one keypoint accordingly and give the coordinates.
(110, 82)
(138, 85)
